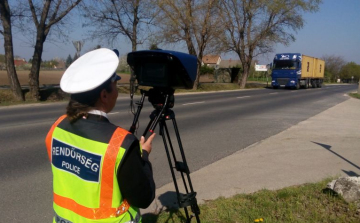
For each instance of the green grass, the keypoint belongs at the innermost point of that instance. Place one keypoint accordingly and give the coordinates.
(355, 95)
(260, 79)
(305, 203)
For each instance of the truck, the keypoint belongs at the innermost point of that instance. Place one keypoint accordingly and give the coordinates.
(294, 70)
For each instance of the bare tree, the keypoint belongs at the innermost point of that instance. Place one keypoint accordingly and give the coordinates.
(45, 14)
(114, 18)
(253, 27)
(9, 51)
(191, 22)
(333, 66)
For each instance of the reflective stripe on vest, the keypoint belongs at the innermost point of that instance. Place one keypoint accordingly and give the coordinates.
(105, 209)
(48, 140)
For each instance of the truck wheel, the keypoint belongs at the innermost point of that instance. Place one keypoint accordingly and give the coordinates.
(298, 85)
(306, 86)
(313, 84)
(319, 85)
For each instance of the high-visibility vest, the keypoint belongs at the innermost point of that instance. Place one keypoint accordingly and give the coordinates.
(85, 186)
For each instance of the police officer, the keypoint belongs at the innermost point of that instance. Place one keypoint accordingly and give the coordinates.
(101, 172)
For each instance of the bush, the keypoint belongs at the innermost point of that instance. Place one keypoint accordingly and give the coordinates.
(206, 70)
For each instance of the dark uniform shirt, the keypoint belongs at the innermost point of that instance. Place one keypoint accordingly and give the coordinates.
(134, 174)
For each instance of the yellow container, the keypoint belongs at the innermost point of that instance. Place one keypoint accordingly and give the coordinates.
(319, 68)
(312, 67)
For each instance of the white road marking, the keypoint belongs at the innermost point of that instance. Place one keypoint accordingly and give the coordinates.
(199, 102)
(274, 93)
(243, 97)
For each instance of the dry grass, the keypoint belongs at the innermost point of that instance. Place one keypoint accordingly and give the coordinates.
(52, 77)
(51, 93)
(47, 77)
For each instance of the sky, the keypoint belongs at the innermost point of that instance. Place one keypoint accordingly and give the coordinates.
(333, 31)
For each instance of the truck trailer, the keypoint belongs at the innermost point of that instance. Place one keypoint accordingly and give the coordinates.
(294, 70)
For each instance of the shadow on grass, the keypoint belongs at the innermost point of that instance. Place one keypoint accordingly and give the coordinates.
(47, 94)
(52, 94)
(169, 203)
(174, 214)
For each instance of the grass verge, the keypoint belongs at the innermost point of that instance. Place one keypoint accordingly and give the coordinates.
(304, 203)
(355, 95)
(46, 95)
(55, 94)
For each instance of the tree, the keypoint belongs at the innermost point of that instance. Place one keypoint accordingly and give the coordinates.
(9, 51)
(253, 27)
(45, 14)
(114, 18)
(333, 65)
(153, 46)
(194, 23)
(350, 71)
(49, 64)
(68, 61)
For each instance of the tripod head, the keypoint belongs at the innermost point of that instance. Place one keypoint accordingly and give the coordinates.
(160, 97)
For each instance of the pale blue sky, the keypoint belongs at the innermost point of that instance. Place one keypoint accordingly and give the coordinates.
(333, 30)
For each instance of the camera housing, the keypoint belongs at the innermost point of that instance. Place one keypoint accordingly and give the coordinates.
(163, 68)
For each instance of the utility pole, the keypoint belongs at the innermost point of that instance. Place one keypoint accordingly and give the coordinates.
(78, 45)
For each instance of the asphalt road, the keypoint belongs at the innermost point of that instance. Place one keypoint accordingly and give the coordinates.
(212, 126)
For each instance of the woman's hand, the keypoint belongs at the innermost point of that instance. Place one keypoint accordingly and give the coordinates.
(147, 145)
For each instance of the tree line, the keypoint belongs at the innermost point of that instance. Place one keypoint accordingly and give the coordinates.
(248, 28)
(337, 68)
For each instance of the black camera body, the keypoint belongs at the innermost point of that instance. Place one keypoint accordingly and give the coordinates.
(163, 68)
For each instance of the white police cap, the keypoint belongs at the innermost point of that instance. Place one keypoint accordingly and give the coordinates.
(90, 71)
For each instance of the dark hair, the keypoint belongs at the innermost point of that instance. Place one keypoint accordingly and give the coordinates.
(81, 103)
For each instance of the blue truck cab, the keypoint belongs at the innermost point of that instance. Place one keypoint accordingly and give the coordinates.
(286, 70)
(294, 70)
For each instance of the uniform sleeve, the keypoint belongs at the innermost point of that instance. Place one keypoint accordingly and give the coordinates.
(135, 177)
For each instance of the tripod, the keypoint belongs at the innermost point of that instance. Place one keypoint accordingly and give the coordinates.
(163, 100)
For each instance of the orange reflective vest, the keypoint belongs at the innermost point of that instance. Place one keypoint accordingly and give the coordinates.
(84, 178)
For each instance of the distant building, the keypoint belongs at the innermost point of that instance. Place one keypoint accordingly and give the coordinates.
(230, 63)
(211, 60)
(60, 64)
(19, 62)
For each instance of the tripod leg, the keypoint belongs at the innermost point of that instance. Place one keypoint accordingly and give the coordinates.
(162, 133)
(188, 199)
(194, 207)
(138, 111)
(182, 152)
(154, 119)
(178, 165)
